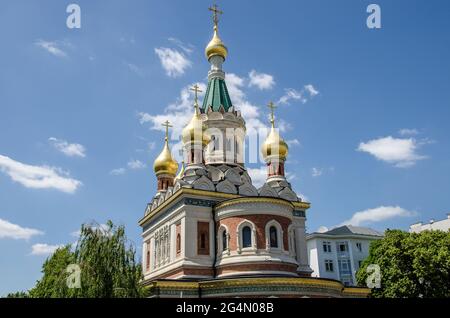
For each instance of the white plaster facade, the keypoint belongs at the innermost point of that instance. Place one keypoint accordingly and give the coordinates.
(328, 259)
(442, 225)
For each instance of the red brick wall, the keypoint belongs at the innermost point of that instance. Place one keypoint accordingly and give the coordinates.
(260, 221)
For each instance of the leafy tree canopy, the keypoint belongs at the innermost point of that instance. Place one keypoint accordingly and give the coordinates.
(411, 264)
(104, 260)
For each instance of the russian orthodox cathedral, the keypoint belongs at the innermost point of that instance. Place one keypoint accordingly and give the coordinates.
(208, 231)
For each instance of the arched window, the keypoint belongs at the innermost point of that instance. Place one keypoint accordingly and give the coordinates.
(178, 243)
(273, 236)
(246, 236)
(224, 240)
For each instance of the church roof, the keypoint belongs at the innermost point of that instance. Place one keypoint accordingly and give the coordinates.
(216, 96)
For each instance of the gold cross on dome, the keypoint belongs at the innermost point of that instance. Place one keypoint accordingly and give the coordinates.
(196, 90)
(272, 111)
(167, 125)
(216, 13)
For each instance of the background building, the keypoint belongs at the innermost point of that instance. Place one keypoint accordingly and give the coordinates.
(338, 253)
(442, 225)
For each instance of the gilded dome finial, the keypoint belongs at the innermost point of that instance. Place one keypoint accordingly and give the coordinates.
(195, 131)
(196, 90)
(165, 163)
(272, 112)
(274, 146)
(216, 47)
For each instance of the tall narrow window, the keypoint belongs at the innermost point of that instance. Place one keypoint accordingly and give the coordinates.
(246, 237)
(224, 240)
(273, 236)
(147, 261)
(178, 243)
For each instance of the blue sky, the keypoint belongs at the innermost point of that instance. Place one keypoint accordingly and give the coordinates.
(367, 117)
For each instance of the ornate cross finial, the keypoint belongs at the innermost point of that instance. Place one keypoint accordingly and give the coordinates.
(272, 112)
(216, 13)
(167, 125)
(196, 90)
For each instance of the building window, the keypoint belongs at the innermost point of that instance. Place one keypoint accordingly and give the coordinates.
(359, 247)
(329, 265)
(224, 240)
(147, 258)
(342, 247)
(246, 237)
(178, 243)
(327, 247)
(203, 238)
(273, 236)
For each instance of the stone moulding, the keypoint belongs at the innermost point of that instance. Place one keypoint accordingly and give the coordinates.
(278, 286)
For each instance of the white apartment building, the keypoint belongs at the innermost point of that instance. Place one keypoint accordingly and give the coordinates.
(442, 225)
(338, 253)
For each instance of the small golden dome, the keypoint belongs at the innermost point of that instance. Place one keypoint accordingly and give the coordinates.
(165, 164)
(195, 130)
(216, 47)
(274, 146)
(181, 173)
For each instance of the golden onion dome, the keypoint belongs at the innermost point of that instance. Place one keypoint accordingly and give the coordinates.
(165, 163)
(195, 130)
(274, 146)
(216, 46)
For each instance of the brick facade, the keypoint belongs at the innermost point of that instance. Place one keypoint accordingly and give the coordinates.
(260, 221)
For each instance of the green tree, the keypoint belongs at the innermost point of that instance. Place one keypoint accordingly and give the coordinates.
(53, 283)
(411, 264)
(107, 266)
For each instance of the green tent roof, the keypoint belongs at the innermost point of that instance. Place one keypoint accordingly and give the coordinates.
(216, 95)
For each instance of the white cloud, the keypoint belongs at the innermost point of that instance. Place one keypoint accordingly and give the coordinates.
(70, 150)
(311, 90)
(53, 48)
(118, 171)
(16, 232)
(43, 249)
(316, 172)
(136, 164)
(188, 48)
(322, 229)
(306, 93)
(258, 175)
(261, 80)
(408, 132)
(174, 62)
(378, 214)
(179, 112)
(401, 153)
(38, 177)
(293, 142)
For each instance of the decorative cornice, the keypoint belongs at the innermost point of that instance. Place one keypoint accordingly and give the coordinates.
(254, 200)
(178, 194)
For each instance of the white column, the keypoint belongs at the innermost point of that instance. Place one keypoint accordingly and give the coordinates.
(300, 245)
